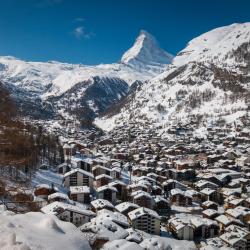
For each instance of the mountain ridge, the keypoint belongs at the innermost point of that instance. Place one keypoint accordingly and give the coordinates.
(40, 85)
(198, 84)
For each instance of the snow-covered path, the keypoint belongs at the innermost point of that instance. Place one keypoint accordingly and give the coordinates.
(48, 177)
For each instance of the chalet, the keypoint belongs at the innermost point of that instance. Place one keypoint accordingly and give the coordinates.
(196, 196)
(180, 198)
(101, 161)
(143, 199)
(80, 194)
(204, 228)
(68, 212)
(209, 194)
(213, 158)
(234, 240)
(183, 164)
(63, 168)
(181, 228)
(229, 192)
(172, 184)
(44, 190)
(99, 204)
(68, 150)
(126, 207)
(116, 173)
(78, 177)
(201, 184)
(107, 193)
(239, 232)
(224, 221)
(58, 197)
(84, 164)
(161, 206)
(102, 180)
(149, 180)
(120, 187)
(146, 220)
(86, 153)
(141, 186)
(246, 203)
(116, 217)
(240, 213)
(210, 213)
(242, 161)
(156, 190)
(233, 203)
(99, 170)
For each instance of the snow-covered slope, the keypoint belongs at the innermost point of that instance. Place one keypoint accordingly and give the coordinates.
(55, 78)
(216, 45)
(39, 86)
(208, 80)
(37, 231)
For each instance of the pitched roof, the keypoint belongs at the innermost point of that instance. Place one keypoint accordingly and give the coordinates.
(80, 171)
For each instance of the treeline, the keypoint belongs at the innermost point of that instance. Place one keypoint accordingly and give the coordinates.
(23, 146)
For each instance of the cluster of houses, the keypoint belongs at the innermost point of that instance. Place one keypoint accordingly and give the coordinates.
(132, 182)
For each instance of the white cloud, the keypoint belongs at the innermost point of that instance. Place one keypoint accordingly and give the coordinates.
(80, 32)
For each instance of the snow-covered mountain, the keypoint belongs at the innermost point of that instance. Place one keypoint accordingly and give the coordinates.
(146, 53)
(207, 81)
(221, 46)
(43, 86)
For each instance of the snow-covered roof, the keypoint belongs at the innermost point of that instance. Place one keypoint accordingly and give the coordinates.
(140, 193)
(197, 222)
(98, 177)
(102, 188)
(104, 227)
(177, 191)
(125, 205)
(58, 195)
(116, 217)
(208, 203)
(57, 207)
(210, 212)
(101, 203)
(232, 238)
(159, 198)
(79, 189)
(207, 191)
(223, 219)
(79, 171)
(137, 213)
(202, 183)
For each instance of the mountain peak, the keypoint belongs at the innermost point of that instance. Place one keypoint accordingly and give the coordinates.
(146, 51)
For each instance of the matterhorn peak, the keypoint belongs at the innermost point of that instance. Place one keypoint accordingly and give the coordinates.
(146, 51)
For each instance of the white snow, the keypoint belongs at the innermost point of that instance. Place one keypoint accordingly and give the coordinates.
(165, 99)
(55, 78)
(215, 44)
(36, 231)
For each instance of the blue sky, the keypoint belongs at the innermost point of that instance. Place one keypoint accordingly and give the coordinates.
(100, 31)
